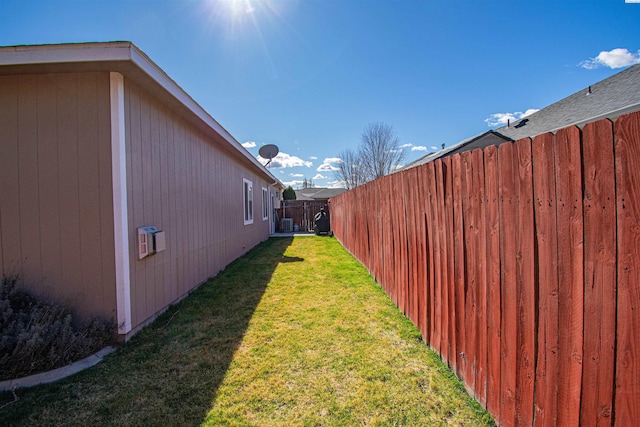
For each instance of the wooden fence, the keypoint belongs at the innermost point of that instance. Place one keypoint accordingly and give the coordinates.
(302, 212)
(520, 264)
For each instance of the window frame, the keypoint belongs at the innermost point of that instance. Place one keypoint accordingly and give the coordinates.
(265, 204)
(247, 201)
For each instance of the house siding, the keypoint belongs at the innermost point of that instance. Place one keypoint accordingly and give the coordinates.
(58, 208)
(185, 183)
(56, 219)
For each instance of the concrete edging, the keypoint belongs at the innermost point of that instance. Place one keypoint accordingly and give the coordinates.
(56, 374)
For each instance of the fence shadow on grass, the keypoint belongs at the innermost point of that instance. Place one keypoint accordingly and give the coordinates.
(168, 373)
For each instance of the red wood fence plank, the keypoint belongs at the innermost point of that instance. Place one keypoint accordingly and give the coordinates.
(393, 226)
(418, 214)
(396, 226)
(480, 273)
(388, 260)
(525, 279)
(422, 239)
(434, 263)
(492, 225)
(355, 225)
(402, 243)
(442, 262)
(365, 223)
(458, 268)
(449, 255)
(409, 185)
(627, 407)
(544, 190)
(599, 273)
(378, 239)
(570, 274)
(508, 338)
(427, 177)
(421, 260)
(392, 261)
(380, 236)
(372, 226)
(470, 293)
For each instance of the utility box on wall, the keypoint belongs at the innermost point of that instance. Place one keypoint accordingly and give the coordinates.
(150, 241)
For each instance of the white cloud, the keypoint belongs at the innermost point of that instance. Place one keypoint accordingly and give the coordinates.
(501, 119)
(615, 58)
(336, 184)
(319, 176)
(413, 147)
(434, 148)
(284, 160)
(296, 175)
(313, 157)
(332, 160)
(328, 165)
(294, 183)
(249, 144)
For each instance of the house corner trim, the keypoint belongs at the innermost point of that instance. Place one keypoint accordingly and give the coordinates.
(120, 217)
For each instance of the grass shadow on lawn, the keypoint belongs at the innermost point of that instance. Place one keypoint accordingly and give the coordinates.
(169, 372)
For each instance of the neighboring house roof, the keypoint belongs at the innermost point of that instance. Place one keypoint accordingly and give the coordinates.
(128, 59)
(317, 193)
(609, 98)
(483, 140)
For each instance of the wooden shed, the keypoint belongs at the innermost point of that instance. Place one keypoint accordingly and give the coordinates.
(97, 142)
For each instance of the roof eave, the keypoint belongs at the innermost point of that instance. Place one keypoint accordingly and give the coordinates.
(109, 53)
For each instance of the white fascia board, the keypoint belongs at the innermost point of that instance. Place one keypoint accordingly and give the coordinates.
(66, 53)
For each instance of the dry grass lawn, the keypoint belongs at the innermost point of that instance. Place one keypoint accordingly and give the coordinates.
(295, 333)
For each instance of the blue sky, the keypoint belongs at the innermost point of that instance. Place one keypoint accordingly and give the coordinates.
(310, 75)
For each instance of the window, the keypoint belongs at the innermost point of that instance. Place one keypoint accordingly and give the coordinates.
(265, 204)
(247, 198)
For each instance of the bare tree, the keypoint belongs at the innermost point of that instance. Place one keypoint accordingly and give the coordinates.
(380, 150)
(378, 155)
(350, 170)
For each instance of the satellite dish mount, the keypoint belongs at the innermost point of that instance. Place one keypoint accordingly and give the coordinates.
(268, 151)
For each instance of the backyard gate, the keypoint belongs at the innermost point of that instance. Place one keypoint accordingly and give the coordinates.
(301, 212)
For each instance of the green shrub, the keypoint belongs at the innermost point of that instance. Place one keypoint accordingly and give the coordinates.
(289, 193)
(38, 335)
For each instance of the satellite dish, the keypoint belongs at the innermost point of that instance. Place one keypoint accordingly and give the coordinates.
(268, 151)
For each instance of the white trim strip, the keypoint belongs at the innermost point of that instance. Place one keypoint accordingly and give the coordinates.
(120, 217)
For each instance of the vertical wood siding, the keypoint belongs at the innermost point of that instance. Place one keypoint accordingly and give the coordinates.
(519, 264)
(183, 182)
(56, 220)
(56, 199)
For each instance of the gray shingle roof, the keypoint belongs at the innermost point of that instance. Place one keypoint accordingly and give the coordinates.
(482, 140)
(609, 98)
